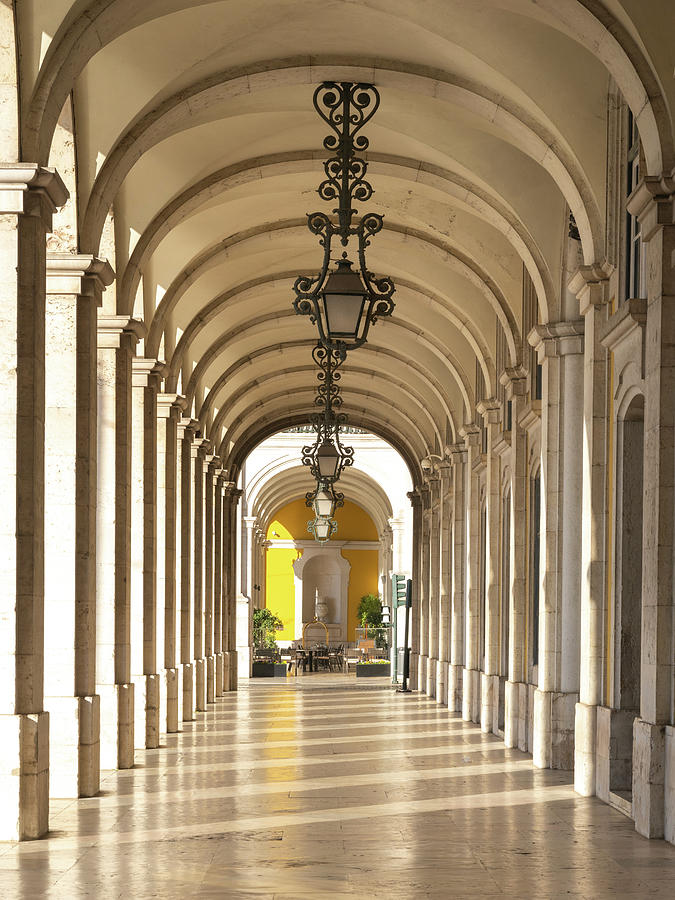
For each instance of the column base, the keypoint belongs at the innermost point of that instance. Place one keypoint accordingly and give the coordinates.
(471, 695)
(669, 792)
(172, 679)
(585, 730)
(614, 751)
(525, 716)
(422, 665)
(210, 679)
(487, 702)
(553, 730)
(455, 687)
(234, 670)
(146, 711)
(24, 776)
(442, 682)
(125, 725)
(511, 713)
(430, 686)
(220, 674)
(200, 684)
(412, 672)
(74, 764)
(649, 769)
(187, 693)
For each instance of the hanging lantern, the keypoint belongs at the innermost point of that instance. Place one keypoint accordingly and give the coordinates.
(322, 528)
(324, 500)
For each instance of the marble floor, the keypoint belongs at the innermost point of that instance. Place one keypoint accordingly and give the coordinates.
(318, 786)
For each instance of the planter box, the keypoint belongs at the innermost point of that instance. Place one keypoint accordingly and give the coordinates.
(373, 670)
(268, 670)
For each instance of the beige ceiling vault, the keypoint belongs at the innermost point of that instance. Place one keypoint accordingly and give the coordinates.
(186, 134)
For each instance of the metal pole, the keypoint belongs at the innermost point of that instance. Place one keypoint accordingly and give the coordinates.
(404, 689)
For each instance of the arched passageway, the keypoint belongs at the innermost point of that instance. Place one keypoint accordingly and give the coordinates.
(159, 161)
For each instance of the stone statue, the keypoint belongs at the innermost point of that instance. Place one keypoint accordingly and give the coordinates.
(320, 607)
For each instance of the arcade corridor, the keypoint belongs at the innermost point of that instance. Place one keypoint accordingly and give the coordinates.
(324, 789)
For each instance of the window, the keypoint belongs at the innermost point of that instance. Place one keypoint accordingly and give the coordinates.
(634, 265)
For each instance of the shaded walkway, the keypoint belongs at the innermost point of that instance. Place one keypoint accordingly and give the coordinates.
(321, 787)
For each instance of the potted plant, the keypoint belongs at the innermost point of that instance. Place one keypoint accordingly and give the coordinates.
(370, 613)
(266, 662)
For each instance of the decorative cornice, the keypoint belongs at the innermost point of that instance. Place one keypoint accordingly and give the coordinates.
(78, 275)
(630, 315)
(112, 328)
(18, 179)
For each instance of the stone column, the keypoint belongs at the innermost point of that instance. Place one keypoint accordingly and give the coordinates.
(490, 410)
(434, 581)
(591, 286)
(445, 584)
(150, 697)
(234, 582)
(245, 597)
(169, 410)
(185, 432)
(415, 498)
(560, 348)
(74, 287)
(29, 195)
(212, 465)
(654, 732)
(117, 339)
(515, 690)
(425, 572)
(218, 575)
(200, 449)
(456, 667)
(471, 673)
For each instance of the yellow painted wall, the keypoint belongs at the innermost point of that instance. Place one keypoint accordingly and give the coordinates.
(290, 523)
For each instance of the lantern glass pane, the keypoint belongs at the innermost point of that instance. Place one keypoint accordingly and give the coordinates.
(323, 504)
(343, 315)
(327, 459)
(322, 529)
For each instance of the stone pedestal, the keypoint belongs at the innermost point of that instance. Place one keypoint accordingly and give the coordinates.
(432, 667)
(471, 696)
(553, 730)
(210, 679)
(585, 729)
(649, 776)
(511, 713)
(524, 716)
(187, 693)
(669, 793)
(24, 776)
(220, 674)
(200, 685)
(422, 666)
(146, 711)
(442, 682)
(455, 687)
(125, 725)
(487, 702)
(74, 767)
(614, 751)
(171, 678)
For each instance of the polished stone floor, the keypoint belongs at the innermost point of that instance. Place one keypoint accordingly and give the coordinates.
(319, 786)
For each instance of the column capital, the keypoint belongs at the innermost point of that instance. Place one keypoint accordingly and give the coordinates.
(514, 379)
(213, 462)
(557, 339)
(415, 498)
(111, 330)
(221, 479)
(187, 428)
(457, 453)
(168, 404)
(78, 275)
(30, 189)
(471, 435)
(250, 521)
(232, 493)
(490, 409)
(145, 370)
(653, 202)
(200, 446)
(590, 284)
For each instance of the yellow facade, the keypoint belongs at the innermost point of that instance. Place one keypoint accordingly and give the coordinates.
(290, 523)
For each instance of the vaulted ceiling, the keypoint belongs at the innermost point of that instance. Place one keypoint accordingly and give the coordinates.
(186, 134)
